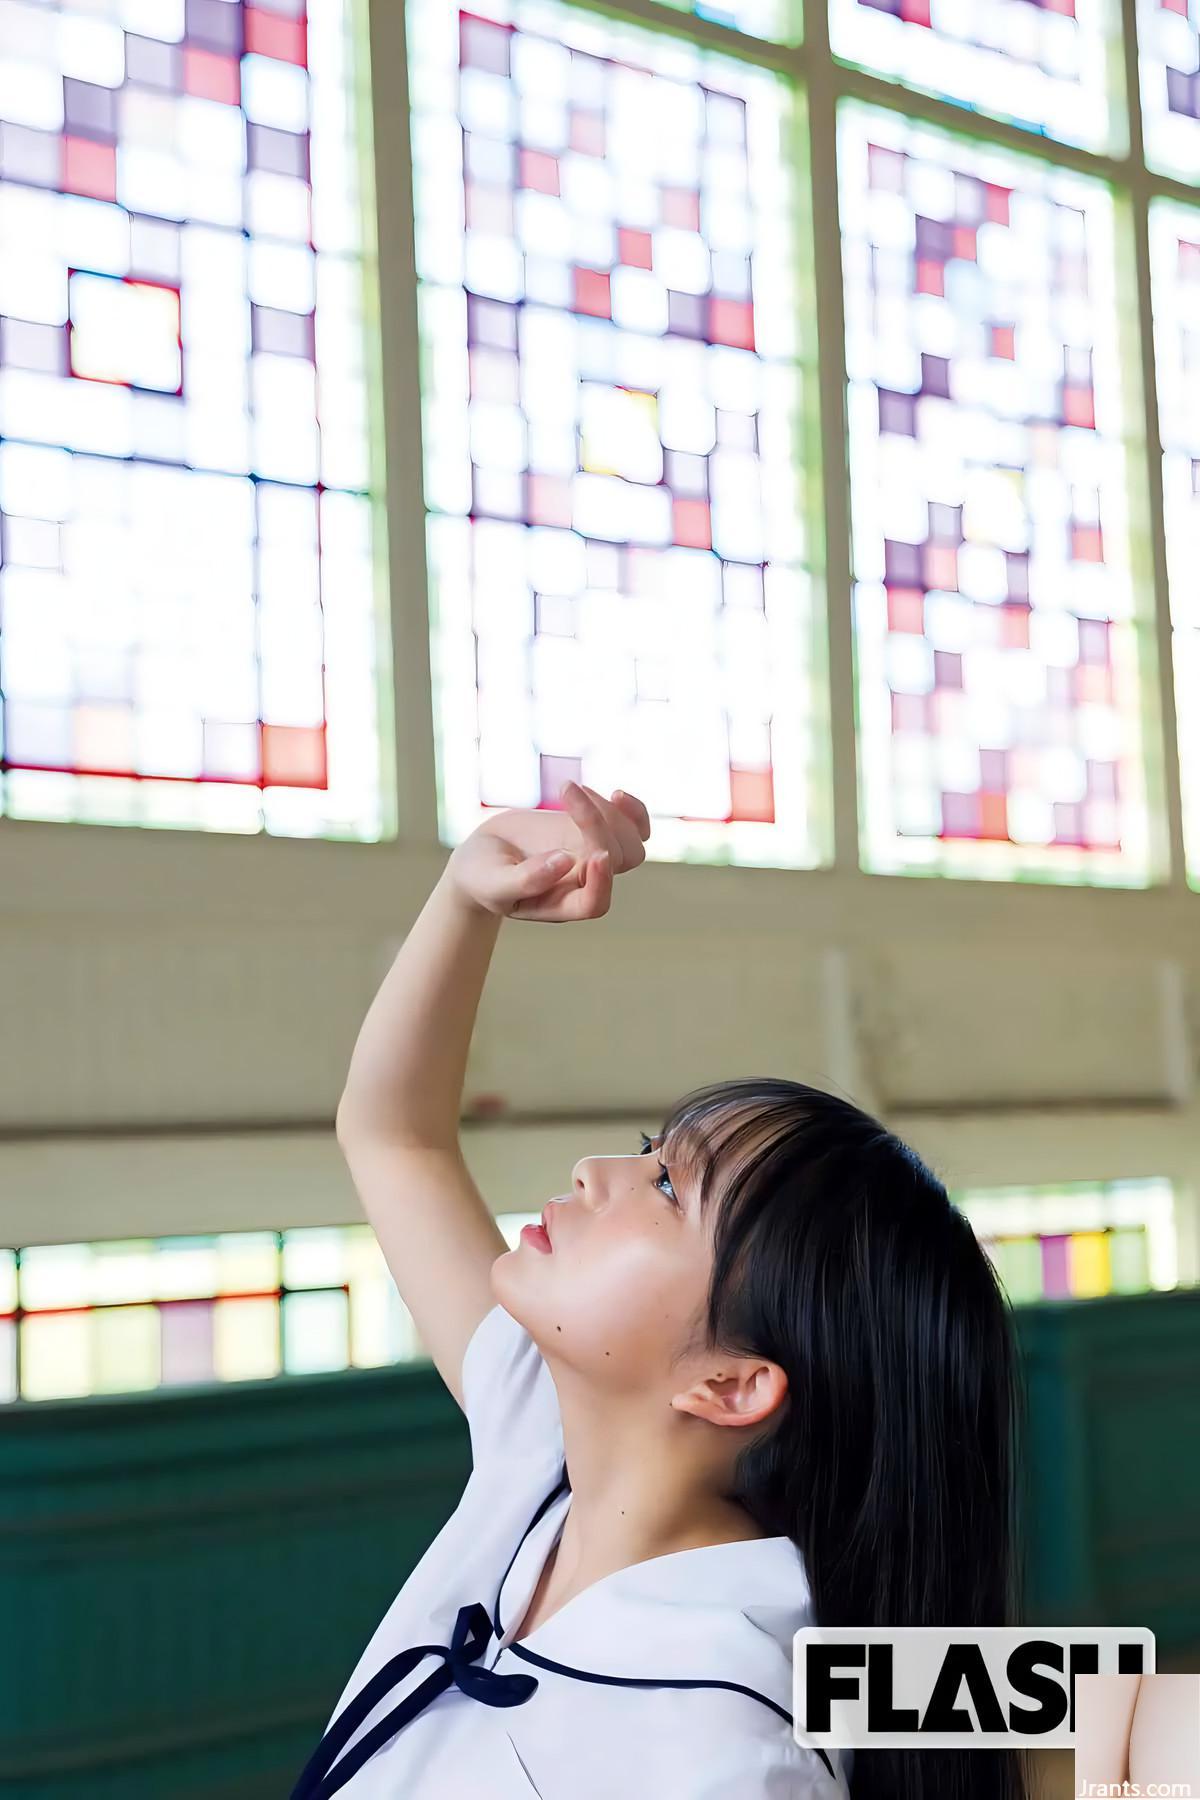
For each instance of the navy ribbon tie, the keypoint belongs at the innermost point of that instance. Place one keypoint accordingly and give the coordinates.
(470, 1638)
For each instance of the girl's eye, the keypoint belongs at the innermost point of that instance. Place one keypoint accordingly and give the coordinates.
(647, 1145)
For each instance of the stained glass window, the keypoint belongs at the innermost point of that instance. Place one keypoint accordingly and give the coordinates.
(1078, 1241)
(1046, 65)
(1169, 41)
(612, 316)
(1175, 261)
(998, 647)
(777, 19)
(188, 630)
(120, 1317)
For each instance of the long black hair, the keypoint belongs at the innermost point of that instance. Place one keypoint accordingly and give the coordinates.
(839, 1255)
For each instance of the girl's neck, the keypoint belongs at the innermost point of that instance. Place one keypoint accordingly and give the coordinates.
(640, 1488)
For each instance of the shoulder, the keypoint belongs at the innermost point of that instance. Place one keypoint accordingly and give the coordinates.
(509, 1397)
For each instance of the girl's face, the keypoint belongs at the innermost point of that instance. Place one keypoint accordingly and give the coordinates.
(623, 1284)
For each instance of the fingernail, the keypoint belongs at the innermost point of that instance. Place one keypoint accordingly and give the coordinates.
(558, 857)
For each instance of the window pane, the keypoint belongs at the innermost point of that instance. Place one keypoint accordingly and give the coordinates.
(1077, 1240)
(1047, 65)
(1169, 45)
(1175, 259)
(185, 536)
(777, 19)
(997, 637)
(612, 314)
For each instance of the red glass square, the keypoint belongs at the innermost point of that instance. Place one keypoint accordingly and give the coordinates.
(916, 12)
(752, 795)
(993, 816)
(209, 76)
(269, 34)
(691, 523)
(941, 567)
(89, 168)
(1004, 342)
(635, 248)
(964, 242)
(538, 170)
(293, 756)
(1079, 406)
(592, 293)
(931, 276)
(1014, 626)
(906, 610)
(731, 322)
(996, 203)
(1087, 543)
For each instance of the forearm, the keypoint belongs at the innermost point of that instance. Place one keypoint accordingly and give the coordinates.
(406, 1074)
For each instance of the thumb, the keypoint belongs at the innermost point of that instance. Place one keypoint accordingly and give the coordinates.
(534, 874)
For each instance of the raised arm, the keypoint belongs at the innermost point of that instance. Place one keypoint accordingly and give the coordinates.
(397, 1120)
(397, 1125)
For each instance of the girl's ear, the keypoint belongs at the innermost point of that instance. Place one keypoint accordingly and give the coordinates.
(742, 1391)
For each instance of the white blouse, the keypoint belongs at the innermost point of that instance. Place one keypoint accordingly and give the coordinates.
(591, 1713)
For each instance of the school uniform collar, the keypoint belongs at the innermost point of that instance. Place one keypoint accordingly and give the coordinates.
(719, 1612)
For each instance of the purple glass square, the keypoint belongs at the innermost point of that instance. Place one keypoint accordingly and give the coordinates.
(935, 240)
(491, 322)
(935, 376)
(687, 314)
(484, 45)
(1179, 93)
(993, 770)
(945, 523)
(960, 815)
(897, 412)
(947, 669)
(902, 564)
(280, 152)
(1017, 565)
(152, 63)
(89, 111)
(216, 25)
(187, 1341)
(282, 333)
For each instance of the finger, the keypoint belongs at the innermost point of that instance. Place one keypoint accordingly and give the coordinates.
(635, 808)
(606, 827)
(533, 877)
(595, 896)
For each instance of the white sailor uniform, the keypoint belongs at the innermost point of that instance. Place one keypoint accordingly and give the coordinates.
(669, 1679)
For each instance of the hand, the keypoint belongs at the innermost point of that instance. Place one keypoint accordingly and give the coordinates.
(503, 866)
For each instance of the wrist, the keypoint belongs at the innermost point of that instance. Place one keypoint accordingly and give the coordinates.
(459, 897)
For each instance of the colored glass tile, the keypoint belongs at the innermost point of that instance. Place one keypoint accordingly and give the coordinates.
(1078, 1240)
(183, 342)
(997, 621)
(1046, 65)
(1175, 266)
(613, 323)
(776, 19)
(1169, 54)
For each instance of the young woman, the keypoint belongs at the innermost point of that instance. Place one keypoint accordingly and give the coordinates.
(754, 1376)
